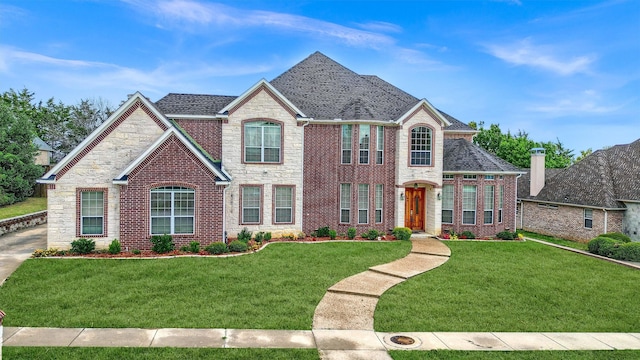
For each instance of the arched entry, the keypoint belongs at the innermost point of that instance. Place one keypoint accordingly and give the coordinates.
(414, 211)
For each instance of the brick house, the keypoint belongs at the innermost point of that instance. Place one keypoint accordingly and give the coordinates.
(598, 194)
(319, 145)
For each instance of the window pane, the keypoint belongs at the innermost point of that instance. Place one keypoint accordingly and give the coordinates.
(284, 204)
(251, 215)
(345, 203)
(447, 204)
(421, 146)
(184, 225)
(262, 141)
(272, 154)
(346, 144)
(283, 216)
(468, 204)
(160, 226)
(91, 212)
(172, 210)
(363, 203)
(365, 137)
(251, 196)
(447, 216)
(345, 216)
(92, 226)
(380, 145)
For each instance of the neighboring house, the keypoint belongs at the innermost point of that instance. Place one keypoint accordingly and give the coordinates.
(44, 152)
(598, 194)
(317, 146)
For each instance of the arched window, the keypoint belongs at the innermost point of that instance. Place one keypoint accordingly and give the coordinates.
(421, 142)
(262, 141)
(172, 210)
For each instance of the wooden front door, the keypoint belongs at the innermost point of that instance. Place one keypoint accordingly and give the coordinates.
(414, 208)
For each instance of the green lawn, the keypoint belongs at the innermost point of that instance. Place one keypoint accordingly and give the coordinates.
(28, 206)
(276, 288)
(514, 286)
(555, 240)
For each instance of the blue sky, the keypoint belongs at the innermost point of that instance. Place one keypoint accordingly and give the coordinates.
(567, 70)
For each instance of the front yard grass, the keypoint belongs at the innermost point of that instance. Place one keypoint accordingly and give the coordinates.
(514, 286)
(31, 205)
(564, 242)
(276, 288)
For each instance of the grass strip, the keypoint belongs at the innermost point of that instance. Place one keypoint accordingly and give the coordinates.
(276, 288)
(514, 286)
(29, 206)
(555, 240)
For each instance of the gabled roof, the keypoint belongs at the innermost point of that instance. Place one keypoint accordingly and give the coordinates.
(41, 145)
(192, 104)
(263, 84)
(602, 179)
(462, 156)
(524, 182)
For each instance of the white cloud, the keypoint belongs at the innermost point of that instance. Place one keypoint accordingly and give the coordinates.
(381, 26)
(538, 56)
(587, 102)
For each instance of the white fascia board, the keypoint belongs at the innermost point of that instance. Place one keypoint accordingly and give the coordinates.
(116, 114)
(265, 83)
(433, 110)
(156, 144)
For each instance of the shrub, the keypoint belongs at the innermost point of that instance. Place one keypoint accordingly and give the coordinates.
(372, 234)
(507, 235)
(323, 232)
(115, 247)
(351, 233)
(82, 246)
(162, 243)
(332, 234)
(135, 252)
(259, 236)
(237, 246)
(216, 248)
(597, 245)
(628, 252)
(467, 235)
(244, 235)
(617, 236)
(194, 247)
(402, 233)
(46, 253)
(267, 236)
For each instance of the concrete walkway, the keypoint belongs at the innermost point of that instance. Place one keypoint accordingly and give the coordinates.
(16, 247)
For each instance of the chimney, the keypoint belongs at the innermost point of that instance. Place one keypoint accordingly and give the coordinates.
(537, 171)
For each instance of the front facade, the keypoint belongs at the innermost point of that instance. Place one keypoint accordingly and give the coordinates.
(318, 146)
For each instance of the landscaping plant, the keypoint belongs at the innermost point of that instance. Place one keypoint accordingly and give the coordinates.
(83, 246)
(162, 243)
(402, 233)
(115, 247)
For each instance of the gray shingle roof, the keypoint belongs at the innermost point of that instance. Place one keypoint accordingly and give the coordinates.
(462, 155)
(600, 179)
(192, 104)
(524, 182)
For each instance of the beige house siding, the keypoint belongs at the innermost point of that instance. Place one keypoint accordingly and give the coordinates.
(567, 222)
(97, 169)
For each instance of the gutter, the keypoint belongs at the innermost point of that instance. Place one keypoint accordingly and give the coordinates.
(302, 182)
(574, 205)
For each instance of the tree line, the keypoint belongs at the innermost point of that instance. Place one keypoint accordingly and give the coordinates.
(61, 126)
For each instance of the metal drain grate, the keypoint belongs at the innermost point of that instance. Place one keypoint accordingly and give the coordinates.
(402, 340)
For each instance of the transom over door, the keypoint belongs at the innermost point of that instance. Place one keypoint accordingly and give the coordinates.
(414, 208)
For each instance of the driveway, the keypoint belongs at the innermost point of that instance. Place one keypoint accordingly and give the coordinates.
(18, 246)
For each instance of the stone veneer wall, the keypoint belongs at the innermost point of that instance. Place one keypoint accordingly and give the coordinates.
(21, 222)
(324, 173)
(567, 222)
(631, 223)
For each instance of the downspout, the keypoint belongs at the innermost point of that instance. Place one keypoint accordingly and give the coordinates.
(302, 184)
(606, 218)
(515, 220)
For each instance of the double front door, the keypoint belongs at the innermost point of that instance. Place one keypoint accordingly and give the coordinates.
(414, 208)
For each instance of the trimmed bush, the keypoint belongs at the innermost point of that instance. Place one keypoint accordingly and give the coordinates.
(323, 232)
(467, 235)
(244, 235)
(351, 233)
(115, 247)
(507, 235)
(162, 243)
(402, 233)
(216, 248)
(372, 234)
(237, 246)
(628, 252)
(267, 236)
(333, 234)
(259, 236)
(194, 247)
(597, 245)
(82, 246)
(617, 236)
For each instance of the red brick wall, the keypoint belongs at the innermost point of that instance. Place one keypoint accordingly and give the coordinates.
(323, 174)
(170, 165)
(508, 209)
(207, 133)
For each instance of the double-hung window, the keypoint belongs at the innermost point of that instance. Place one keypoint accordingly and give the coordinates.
(380, 145)
(469, 204)
(346, 144)
(365, 139)
(447, 204)
(345, 203)
(283, 204)
(262, 142)
(363, 203)
(251, 204)
(172, 210)
(421, 146)
(379, 202)
(91, 212)
(489, 194)
(588, 218)
(500, 203)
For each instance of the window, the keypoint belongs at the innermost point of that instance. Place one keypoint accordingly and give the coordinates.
(469, 177)
(379, 201)
(588, 218)
(500, 203)
(172, 210)
(283, 196)
(262, 141)
(421, 146)
(469, 204)
(346, 144)
(380, 145)
(91, 212)
(447, 204)
(345, 203)
(447, 177)
(489, 177)
(489, 194)
(363, 203)
(251, 204)
(365, 137)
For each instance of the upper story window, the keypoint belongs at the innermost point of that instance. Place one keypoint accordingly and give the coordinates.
(489, 177)
(262, 142)
(365, 140)
(447, 177)
(380, 145)
(421, 142)
(172, 210)
(346, 143)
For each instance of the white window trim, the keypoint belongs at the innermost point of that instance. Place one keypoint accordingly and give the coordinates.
(428, 148)
(379, 203)
(489, 206)
(590, 218)
(344, 146)
(362, 207)
(474, 211)
(364, 146)
(259, 207)
(449, 186)
(276, 207)
(173, 191)
(345, 189)
(380, 145)
(262, 142)
(82, 216)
